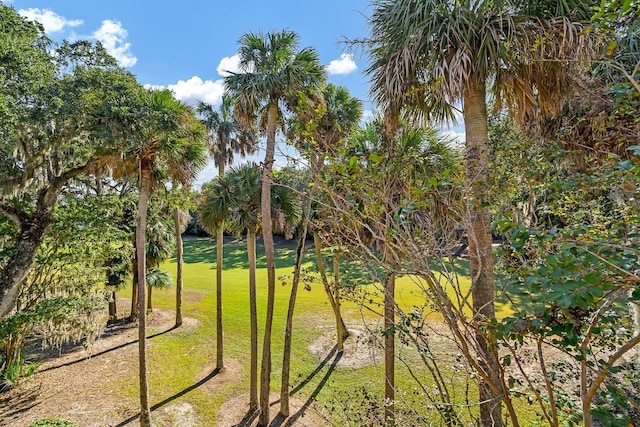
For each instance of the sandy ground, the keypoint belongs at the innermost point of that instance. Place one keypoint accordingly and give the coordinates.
(361, 348)
(82, 385)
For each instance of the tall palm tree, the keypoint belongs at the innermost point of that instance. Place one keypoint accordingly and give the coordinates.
(428, 55)
(226, 137)
(339, 117)
(170, 135)
(234, 199)
(180, 220)
(273, 70)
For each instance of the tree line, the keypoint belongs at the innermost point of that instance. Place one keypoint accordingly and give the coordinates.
(548, 92)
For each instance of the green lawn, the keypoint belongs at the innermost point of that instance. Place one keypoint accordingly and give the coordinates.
(179, 359)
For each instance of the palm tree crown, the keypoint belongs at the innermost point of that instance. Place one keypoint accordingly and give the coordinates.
(235, 198)
(427, 54)
(227, 137)
(272, 68)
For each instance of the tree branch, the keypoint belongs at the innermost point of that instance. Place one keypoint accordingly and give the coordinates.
(11, 212)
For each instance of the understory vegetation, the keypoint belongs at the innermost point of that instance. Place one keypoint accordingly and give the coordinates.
(413, 279)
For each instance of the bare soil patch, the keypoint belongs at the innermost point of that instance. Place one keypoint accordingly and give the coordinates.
(234, 413)
(361, 348)
(230, 374)
(83, 384)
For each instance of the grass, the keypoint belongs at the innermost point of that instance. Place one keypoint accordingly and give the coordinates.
(178, 360)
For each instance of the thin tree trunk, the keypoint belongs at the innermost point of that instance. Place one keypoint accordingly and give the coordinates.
(389, 350)
(480, 256)
(219, 257)
(178, 229)
(267, 233)
(317, 164)
(336, 297)
(342, 329)
(133, 316)
(143, 203)
(584, 388)
(12, 351)
(253, 318)
(113, 308)
(634, 314)
(286, 357)
(149, 303)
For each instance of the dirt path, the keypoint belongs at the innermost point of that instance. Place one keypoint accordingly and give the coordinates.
(85, 386)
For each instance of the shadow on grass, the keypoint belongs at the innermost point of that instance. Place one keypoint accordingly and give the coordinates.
(279, 419)
(315, 371)
(293, 418)
(203, 250)
(170, 399)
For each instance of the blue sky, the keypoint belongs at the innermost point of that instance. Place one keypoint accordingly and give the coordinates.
(186, 46)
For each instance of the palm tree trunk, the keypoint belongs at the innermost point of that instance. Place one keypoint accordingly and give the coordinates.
(253, 318)
(480, 256)
(133, 316)
(219, 256)
(342, 329)
(149, 303)
(267, 233)
(178, 228)
(286, 357)
(113, 308)
(143, 203)
(389, 350)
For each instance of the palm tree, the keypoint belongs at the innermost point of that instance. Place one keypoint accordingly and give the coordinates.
(180, 220)
(414, 154)
(340, 115)
(234, 199)
(273, 70)
(428, 55)
(158, 249)
(226, 137)
(156, 278)
(170, 136)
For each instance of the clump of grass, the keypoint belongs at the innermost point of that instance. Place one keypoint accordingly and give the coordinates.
(53, 422)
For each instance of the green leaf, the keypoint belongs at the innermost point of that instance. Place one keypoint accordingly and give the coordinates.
(375, 158)
(566, 301)
(595, 291)
(626, 165)
(352, 161)
(593, 278)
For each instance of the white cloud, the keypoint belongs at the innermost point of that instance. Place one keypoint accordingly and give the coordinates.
(195, 89)
(454, 138)
(228, 65)
(367, 115)
(344, 65)
(113, 36)
(51, 21)
(153, 87)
